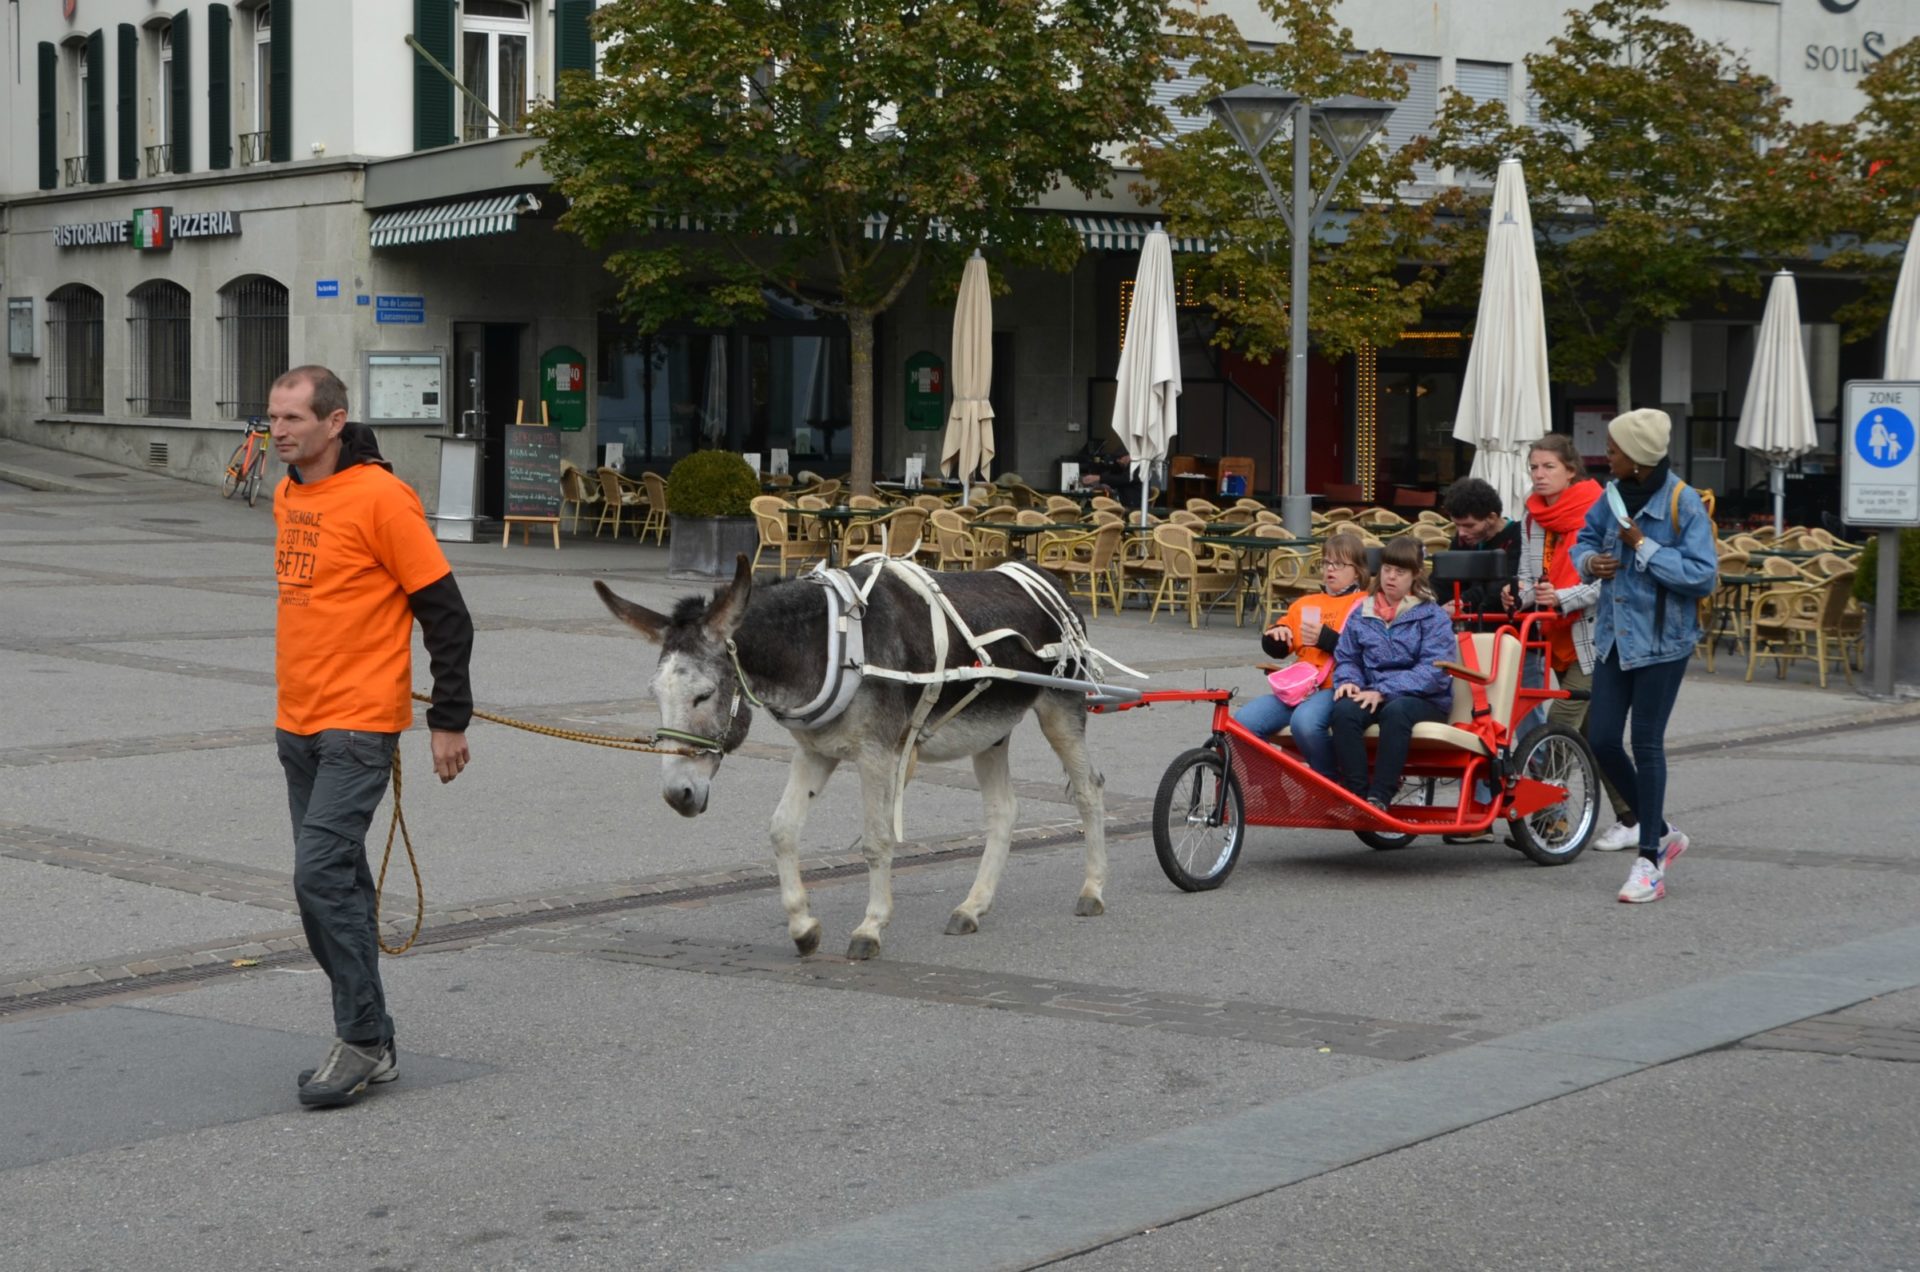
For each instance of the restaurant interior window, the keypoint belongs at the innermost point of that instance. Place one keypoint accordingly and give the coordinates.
(661, 396)
(495, 36)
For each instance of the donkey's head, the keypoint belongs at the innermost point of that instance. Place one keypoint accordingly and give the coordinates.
(696, 684)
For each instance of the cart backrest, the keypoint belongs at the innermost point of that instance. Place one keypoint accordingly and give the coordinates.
(1502, 653)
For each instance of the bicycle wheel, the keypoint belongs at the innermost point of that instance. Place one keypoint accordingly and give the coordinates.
(256, 471)
(235, 467)
(1413, 790)
(1199, 821)
(1560, 832)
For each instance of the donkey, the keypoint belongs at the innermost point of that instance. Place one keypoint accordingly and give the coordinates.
(772, 644)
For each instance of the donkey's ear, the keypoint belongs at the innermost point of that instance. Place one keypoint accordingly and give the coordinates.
(724, 615)
(638, 617)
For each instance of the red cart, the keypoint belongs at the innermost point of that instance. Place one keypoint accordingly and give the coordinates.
(1465, 776)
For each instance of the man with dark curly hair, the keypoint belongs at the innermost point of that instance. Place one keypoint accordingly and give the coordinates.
(1480, 524)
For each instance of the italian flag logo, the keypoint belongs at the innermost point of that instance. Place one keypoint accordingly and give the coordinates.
(150, 229)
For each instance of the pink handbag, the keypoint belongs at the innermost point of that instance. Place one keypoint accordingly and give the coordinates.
(1294, 683)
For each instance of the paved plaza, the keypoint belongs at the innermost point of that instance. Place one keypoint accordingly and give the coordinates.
(611, 1058)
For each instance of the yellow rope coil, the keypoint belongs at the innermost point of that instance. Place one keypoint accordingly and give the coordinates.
(398, 824)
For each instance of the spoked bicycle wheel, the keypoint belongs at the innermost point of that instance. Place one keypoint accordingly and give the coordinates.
(1560, 832)
(1199, 821)
(255, 472)
(1413, 790)
(235, 467)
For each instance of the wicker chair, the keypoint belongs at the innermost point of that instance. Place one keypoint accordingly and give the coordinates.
(1088, 559)
(778, 534)
(1806, 620)
(1062, 508)
(575, 489)
(657, 510)
(618, 499)
(1187, 577)
(955, 548)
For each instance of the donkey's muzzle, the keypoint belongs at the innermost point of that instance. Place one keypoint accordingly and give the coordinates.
(689, 799)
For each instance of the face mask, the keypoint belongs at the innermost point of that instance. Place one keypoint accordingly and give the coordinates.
(1617, 504)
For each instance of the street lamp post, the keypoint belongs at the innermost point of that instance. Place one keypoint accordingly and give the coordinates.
(1253, 115)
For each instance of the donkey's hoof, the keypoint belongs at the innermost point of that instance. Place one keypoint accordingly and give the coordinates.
(962, 924)
(862, 947)
(1087, 907)
(808, 941)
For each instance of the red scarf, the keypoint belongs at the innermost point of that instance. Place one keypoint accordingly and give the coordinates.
(1562, 520)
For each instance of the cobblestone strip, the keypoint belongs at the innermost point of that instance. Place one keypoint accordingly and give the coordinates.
(1833, 1036)
(124, 748)
(1794, 859)
(219, 880)
(443, 923)
(1006, 991)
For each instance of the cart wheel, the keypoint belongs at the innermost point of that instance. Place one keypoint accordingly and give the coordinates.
(1557, 834)
(1198, 821)
(1412, 791)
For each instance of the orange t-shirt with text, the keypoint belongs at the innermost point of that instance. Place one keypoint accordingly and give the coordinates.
(348, 551)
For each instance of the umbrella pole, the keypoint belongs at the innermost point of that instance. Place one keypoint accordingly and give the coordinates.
(1777, 478)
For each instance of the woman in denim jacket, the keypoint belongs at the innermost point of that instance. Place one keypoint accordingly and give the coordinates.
(1650, 543)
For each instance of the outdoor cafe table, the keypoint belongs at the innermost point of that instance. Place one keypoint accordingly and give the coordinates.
(1732, 599)
(1017, 535)
(1246, 548)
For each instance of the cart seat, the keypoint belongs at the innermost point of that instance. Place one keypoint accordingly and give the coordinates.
(1500, 651)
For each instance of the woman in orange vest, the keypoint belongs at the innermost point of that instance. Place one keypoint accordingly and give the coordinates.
(1310, 630)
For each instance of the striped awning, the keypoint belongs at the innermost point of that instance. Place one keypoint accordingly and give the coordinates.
(1117, 234)
(468, 218)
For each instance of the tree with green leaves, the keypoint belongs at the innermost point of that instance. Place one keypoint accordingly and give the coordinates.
(827, 149)
(1875, 192)
(1662, 172)
(1358, 292)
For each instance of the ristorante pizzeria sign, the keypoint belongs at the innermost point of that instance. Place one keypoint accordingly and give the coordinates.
(149, 229)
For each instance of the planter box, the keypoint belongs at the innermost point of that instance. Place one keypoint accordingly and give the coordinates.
(705, 547)
(1906, 648)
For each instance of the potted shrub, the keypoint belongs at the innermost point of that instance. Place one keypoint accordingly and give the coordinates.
(709, 503)
(1906, 631)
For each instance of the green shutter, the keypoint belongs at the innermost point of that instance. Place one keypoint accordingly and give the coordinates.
(280, 55)
(180, 109)
(219, 86)
(573, 39)
(126, 68)
(432, 93)
(49, 117)
(97, 108)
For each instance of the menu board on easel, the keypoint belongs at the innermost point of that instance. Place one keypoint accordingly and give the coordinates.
(532, 495)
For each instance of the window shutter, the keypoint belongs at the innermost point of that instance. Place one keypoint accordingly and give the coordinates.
(49, 95)
(96, 139)
(573, 43)
(1413, 116)
(219, 86)
(180, 109)
(432, 94)
(280, 56)
(127, 71)
(1184, 84)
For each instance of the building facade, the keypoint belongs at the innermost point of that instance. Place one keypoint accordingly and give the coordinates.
(193, 199)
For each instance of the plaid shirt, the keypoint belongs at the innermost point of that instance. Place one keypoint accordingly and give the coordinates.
(1578, 602)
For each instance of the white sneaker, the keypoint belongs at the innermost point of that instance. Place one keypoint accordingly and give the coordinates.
(1672, 844)
(1647, 882)
(1616, 837)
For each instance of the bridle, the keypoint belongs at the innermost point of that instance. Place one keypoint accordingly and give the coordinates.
(702, 744)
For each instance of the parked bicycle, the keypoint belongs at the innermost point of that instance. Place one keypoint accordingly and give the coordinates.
(248, 467)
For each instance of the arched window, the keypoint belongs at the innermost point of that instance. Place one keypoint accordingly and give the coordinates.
(160, 331)
(253, 343)
(76, 335)
(495, 36)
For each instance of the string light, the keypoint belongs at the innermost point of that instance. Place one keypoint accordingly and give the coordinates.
(1366, 417)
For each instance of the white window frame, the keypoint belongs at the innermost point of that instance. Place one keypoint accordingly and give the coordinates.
(262, 67)
(163, 90)
(493, 28)
(80, 100)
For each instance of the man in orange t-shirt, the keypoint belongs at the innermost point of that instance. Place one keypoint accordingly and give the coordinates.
(357, 564)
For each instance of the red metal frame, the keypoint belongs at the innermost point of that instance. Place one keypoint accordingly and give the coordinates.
(1278, 788)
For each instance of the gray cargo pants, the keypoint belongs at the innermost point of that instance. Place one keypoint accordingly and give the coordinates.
(335, 780)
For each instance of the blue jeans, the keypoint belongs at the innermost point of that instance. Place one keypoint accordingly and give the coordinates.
(1648, 694)
(1266, 715)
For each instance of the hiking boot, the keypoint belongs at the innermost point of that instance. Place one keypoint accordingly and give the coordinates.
(346, 1072)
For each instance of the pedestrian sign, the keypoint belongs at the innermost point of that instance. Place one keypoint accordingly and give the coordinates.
(1880, 470)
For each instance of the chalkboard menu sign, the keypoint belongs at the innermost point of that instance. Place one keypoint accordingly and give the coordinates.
(533, 472)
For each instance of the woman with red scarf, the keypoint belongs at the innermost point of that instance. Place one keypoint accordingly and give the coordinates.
(1547, 580)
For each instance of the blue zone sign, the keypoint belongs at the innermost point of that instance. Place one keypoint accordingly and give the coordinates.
(401, 309)
(1880, 473)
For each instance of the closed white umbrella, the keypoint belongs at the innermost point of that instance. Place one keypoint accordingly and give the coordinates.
(1903, 323)
(968, 444)
(1510, 196)
(713, 411)
(1146, 400)
(1776, 420)
(1504, 396)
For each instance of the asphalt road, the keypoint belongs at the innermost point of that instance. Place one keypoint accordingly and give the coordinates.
(1439, 1058)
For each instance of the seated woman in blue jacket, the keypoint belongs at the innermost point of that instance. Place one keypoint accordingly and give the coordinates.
(1386, 672)
(1650, 545)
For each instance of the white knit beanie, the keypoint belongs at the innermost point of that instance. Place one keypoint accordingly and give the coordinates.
(1644, 434)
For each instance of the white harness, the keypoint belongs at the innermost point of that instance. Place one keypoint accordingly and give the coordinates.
(847, 666)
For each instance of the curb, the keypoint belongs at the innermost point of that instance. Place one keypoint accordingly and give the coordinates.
(35, 480)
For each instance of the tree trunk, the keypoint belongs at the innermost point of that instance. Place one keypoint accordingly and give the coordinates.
(860, 338)
(1623, 379)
